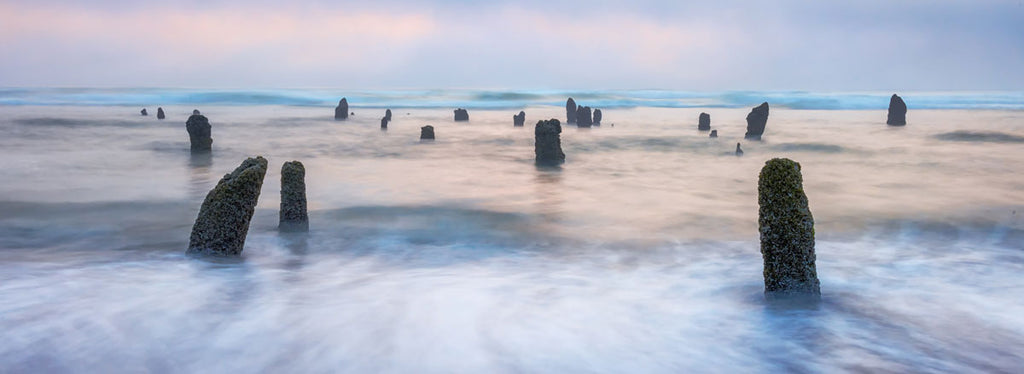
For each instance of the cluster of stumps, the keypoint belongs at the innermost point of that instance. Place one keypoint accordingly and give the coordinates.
(785, 222)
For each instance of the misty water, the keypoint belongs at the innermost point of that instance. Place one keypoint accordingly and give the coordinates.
(640, 254)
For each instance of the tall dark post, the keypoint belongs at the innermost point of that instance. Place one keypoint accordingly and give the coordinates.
(756, 121)
(293, 216)
(704, 122)
(341, 111)
(787, 231)
(897, 111)
(547, 145)
(570, 111)
(199, 129)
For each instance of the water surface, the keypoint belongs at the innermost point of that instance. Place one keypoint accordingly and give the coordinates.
(640, 254)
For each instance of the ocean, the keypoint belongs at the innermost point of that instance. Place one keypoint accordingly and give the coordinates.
(639, 254)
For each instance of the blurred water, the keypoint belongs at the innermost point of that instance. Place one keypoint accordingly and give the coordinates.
(639, 255)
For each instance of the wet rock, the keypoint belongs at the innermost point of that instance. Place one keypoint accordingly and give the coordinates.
(223, 219)
(461, 115)
(387, 114)
(293, 215)
(144, 112)
(427, 132)
(570, 111)
(756, 121)
(787, 231)
(714, 134)
(547, 145)
(583, 118)
(384, 123)
(897, 111)
(519, 120)
(160, 113)
(739, 151)
(341, 111)
(597, 117)
(199, 128)
(195, 112)
(704, 122)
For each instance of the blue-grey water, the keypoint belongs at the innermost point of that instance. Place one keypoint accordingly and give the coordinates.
(639, 255)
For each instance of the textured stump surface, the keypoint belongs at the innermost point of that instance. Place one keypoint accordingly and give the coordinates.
(293, 216)
(547, 143)
(199, 129)
(223, 220)
(787, 230)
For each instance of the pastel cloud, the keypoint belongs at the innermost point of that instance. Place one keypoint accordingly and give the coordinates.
(536, 44)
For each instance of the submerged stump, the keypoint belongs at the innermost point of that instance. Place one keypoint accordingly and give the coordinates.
(570, 111)
(597, 117)
(519, 120)
(897, 111)
(223, 219)
(160, 113)
(547, 145)
(198, 127)
(427, 132)
(293, 215)
(704, 122)
(756, 121)
(461, 115)
(787, 231)
(341, 111)
(144, 112)
(583, 118)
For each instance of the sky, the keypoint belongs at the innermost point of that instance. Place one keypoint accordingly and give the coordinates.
(527, 44)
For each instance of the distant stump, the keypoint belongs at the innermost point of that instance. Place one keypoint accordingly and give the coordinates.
(583, 118)
(897, 111)
(519, 120)
(547, 145)
(570, 111)
(341, 111)
(704, 122)
(427, 132)
(756, 122)
(199, 129)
